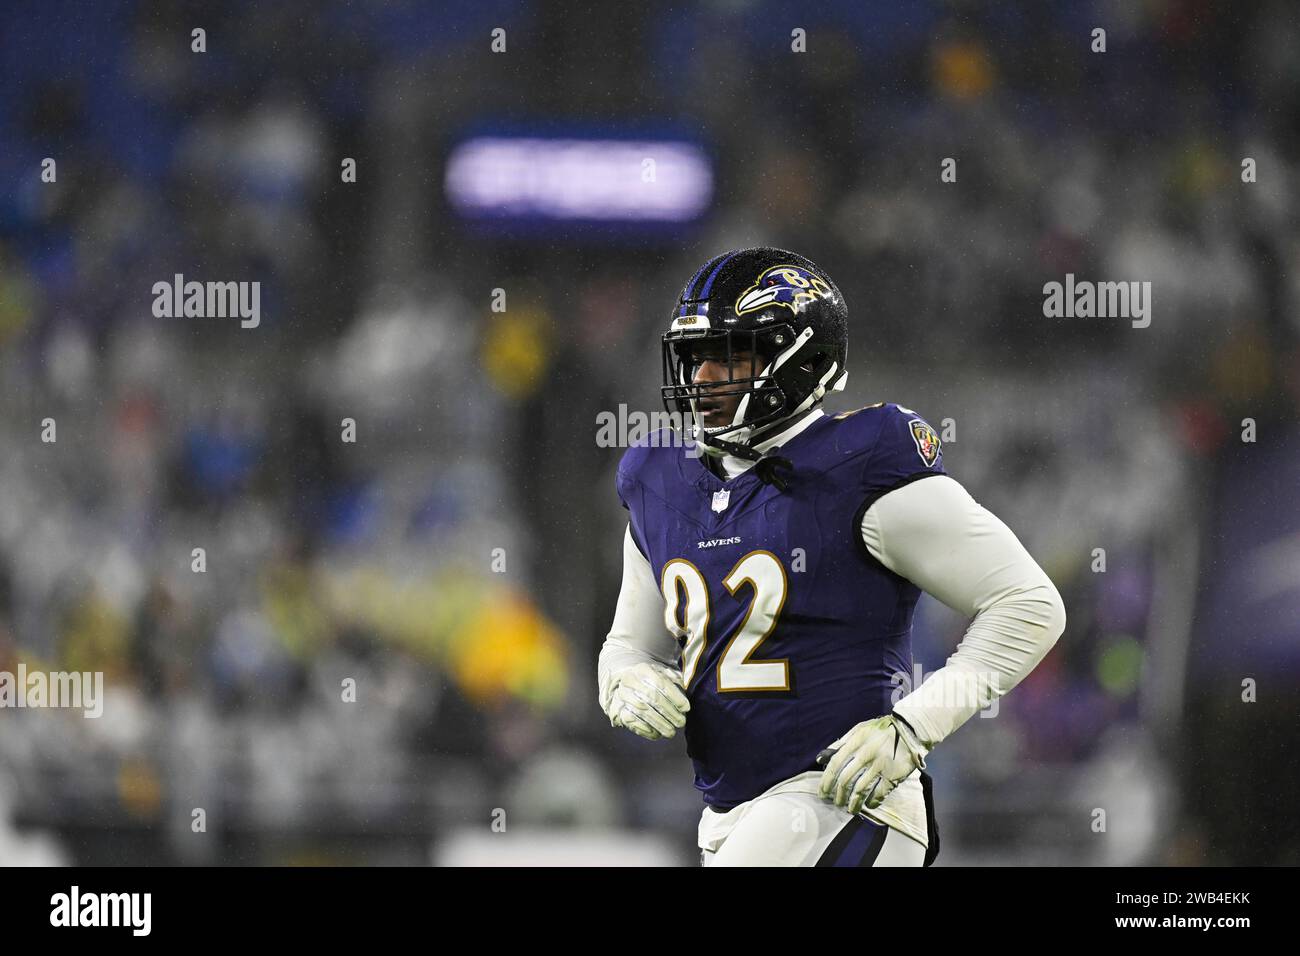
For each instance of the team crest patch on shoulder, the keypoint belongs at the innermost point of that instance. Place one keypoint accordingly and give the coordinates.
(927, 442)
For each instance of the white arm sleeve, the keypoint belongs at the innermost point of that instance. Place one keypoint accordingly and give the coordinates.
(639, 632)
(933, 533)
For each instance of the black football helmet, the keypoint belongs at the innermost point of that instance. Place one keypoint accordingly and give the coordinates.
(780, 308)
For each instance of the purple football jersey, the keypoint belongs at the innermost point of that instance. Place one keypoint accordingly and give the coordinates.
(793, 631)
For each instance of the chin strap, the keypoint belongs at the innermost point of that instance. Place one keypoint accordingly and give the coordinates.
(767, 469)
(766, 465)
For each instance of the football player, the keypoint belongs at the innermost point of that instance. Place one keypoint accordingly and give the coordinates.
(769, 585)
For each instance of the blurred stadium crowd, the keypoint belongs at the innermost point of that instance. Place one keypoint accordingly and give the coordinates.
(460, 560)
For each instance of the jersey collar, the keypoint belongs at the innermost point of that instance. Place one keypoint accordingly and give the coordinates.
(733, 466)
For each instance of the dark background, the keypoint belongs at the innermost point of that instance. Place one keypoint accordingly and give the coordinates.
(477, 430)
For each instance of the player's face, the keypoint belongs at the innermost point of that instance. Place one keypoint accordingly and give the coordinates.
(711, 368)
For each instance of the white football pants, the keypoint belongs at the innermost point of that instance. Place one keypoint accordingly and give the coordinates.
(795, 828)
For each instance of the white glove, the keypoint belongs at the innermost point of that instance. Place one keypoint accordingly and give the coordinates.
(647, 699)
(869, 761)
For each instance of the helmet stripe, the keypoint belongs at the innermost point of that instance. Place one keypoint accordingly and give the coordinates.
(690, 293)
(704, 293)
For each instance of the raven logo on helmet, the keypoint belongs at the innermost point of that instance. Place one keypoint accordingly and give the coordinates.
(787, 285)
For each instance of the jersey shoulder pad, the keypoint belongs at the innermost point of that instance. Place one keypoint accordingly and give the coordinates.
(647, 474)
(895, 442)
(648, 462)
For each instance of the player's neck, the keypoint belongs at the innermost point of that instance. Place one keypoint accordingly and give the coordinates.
(731, 466)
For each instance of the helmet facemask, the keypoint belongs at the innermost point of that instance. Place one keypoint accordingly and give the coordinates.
(783, 367)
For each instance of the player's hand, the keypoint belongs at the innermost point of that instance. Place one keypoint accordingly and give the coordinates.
(648, 700)
(869, 761)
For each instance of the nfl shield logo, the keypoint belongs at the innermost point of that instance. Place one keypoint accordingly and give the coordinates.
(720, 499)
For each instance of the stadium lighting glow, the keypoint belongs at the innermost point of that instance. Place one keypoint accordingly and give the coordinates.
(603, 180)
